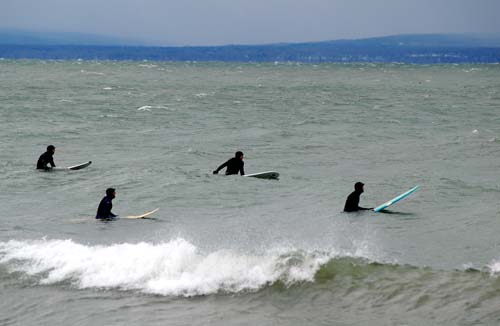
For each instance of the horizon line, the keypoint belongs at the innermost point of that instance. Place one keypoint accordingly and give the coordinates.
(44, 38)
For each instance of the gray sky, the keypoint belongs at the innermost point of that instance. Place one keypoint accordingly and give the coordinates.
(215, 22)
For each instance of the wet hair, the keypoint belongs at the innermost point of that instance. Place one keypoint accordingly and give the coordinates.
(358, 185)
(51, 147)
(110, 191)
(238, 154)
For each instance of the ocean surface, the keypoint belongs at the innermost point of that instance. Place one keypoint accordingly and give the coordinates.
(229, 250)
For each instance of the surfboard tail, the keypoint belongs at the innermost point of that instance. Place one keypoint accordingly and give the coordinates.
(395, 199)
(264, 175)
(142, 215)
(79, 166)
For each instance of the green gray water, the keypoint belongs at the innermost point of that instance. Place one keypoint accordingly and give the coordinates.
(239, 251)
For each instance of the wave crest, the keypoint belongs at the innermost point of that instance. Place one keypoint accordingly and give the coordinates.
(175, 268)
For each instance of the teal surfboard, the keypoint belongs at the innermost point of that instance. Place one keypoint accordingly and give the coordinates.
(395, 199)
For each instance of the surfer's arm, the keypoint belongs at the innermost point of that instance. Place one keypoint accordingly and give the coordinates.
(242, 171)
(51, 162)
(109, 207)
(104, 209)
(223, 165)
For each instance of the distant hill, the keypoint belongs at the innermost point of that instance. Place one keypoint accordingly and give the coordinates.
(430, 40)
(433, 48)
(19, 37)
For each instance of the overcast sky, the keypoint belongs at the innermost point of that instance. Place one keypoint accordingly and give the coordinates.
(215, 22)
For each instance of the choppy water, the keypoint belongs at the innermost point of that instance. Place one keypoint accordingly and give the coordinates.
(243, 251)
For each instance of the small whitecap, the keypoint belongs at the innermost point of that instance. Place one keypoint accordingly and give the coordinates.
(91, 72)
(145, 108)
(107, 88)
(475, 131)
(494, 267)
(148, 66)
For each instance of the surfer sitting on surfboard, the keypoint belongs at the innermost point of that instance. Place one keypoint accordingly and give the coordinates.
(352, 202)
(46, 158)
(105, 206)
(233, 165)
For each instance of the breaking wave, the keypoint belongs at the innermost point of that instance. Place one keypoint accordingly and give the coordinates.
(174, 268)
(179, 268)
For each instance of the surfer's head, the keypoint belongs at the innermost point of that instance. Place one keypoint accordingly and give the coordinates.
(358, 186)
(111, 192)
(239, 155)
(51, 149)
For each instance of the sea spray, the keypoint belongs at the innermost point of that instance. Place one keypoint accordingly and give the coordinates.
(175, 268)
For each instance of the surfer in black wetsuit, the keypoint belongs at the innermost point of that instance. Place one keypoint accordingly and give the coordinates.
(352, 202)
(46, 159)
(233, 165)
(105, 206)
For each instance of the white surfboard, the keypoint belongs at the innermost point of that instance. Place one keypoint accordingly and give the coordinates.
(395, 199)
(80, 166)
(264, 175)
(142, 215)
(73, 167)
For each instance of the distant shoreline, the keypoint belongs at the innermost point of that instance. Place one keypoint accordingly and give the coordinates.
(411, 49)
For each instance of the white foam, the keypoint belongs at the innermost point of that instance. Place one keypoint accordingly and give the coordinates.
(91, 72)
(175, 268)
(149, 107)
(494, 267)
(148, 65)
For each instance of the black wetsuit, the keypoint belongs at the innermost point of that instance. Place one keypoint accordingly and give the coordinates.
(104, 209)
(352, 202)
(45, 159)
(234, 165)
